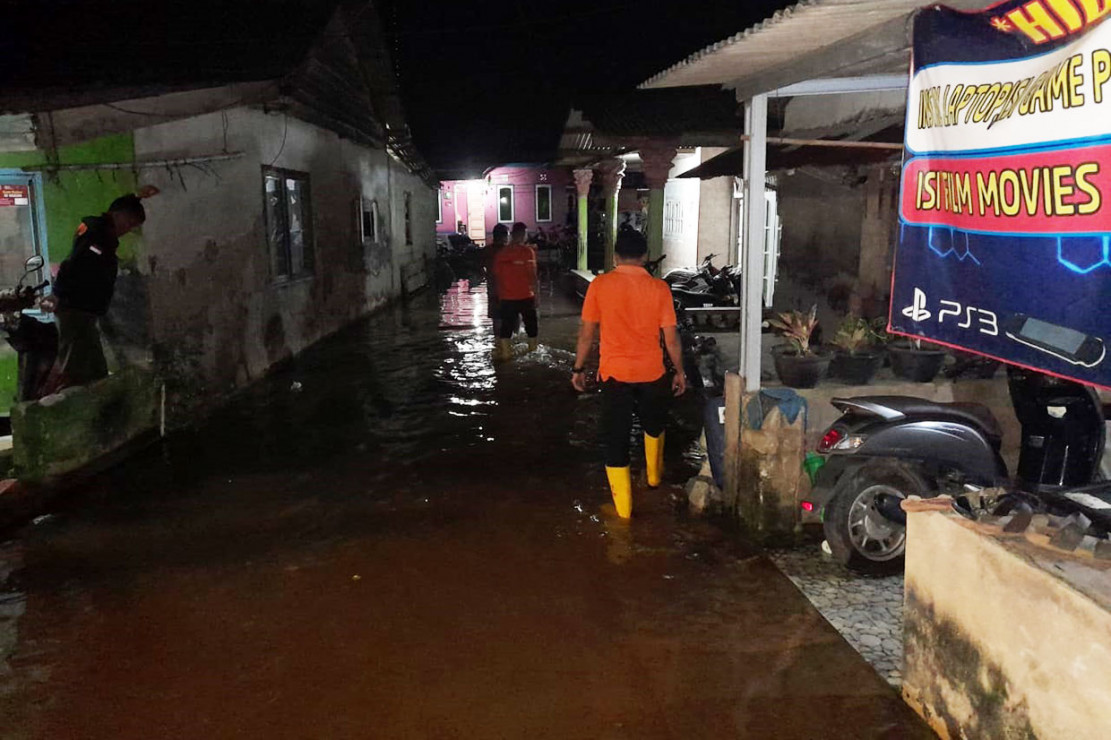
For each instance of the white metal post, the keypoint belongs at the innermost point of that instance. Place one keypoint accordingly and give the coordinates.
(755, 172)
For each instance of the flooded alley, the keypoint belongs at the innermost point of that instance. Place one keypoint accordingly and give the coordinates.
(393, 538)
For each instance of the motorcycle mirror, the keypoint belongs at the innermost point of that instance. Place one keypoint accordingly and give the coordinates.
(33, 263)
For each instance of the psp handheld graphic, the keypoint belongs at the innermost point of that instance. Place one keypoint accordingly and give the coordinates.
(1062, 342)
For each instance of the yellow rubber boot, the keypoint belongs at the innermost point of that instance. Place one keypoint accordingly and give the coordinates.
(503, 350)
(654, 458)
(621, 488)
(533, 343)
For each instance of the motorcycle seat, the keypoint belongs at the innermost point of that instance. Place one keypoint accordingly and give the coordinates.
(975, 414)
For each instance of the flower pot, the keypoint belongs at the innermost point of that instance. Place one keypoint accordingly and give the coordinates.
(800, 371)
(916, 365)
(855, 368)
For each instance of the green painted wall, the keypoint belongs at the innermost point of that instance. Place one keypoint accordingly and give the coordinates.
(70, 196)
(67, 198)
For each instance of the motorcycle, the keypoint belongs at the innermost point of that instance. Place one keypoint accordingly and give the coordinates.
(685, 275)
(35, 341)
(708, 287)
(886, 448)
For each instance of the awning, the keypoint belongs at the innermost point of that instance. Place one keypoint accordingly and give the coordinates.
(811, 39)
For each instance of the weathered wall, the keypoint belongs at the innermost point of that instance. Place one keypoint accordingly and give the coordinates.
(80, 425)
(218, 318)
(1004, 639)
(821, 219)
(879, 230)
(716, 229)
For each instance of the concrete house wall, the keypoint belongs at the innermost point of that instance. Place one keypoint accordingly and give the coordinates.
(217, 313)
(821, 219)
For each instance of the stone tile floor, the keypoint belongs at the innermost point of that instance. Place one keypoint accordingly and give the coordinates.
(866, 610)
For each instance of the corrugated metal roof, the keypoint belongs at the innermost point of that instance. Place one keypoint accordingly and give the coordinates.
(803, 28)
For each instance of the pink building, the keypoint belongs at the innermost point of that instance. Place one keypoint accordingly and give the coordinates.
(540, 196)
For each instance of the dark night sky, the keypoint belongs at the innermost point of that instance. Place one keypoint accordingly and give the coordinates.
(490, 82)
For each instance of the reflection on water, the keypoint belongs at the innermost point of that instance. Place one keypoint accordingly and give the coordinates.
(464, 305)
(469, 362)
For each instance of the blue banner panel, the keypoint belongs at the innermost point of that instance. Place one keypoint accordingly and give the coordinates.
(1004, 230)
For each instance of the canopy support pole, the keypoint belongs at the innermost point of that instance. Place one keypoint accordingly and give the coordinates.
(752, 257)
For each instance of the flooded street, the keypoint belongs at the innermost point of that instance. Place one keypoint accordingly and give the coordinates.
(393, 538)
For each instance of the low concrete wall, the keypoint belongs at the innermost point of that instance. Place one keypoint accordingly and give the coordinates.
(74, 428)
(1004, 639)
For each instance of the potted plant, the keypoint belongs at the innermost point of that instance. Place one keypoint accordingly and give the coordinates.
(796, 363)
(856, 356)
(915, 360)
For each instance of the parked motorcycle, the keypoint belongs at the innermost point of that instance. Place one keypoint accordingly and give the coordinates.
(34, 340)
(886, 448)
(708, 287)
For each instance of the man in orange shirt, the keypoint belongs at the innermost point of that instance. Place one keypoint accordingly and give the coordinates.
(493, 304)
(631, 308)
(515, 274)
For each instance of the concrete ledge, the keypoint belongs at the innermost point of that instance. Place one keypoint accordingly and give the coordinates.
(69, 430)
(1004, 638)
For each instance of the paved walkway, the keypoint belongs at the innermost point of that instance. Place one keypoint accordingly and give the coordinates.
(867, 611)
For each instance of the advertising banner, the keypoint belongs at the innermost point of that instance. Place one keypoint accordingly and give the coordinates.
(1005, 221)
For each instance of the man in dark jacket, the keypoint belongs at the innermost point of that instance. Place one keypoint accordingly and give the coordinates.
(83, 289)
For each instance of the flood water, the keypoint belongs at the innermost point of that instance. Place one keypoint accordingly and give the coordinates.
(393, 538)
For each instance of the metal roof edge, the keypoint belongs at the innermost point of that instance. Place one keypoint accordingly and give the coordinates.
(775, 19)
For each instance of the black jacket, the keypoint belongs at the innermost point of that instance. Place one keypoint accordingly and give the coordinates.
(87, 278)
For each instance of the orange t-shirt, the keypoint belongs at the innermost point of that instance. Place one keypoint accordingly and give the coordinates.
(632, 307)
(515, 272)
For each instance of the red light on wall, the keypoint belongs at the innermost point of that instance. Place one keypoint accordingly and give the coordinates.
(807, 506)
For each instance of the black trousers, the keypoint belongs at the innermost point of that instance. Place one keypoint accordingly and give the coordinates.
(525, 309)
(649, 401)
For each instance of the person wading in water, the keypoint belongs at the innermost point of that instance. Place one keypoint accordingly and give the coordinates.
(630, 308)
(515, 274)
(493, 304)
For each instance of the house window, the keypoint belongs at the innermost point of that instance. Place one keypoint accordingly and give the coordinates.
(505, 203)
(543, 202)
(408, 218)
(368, 221)
(440, 206)
(673, 218)
(288, 222)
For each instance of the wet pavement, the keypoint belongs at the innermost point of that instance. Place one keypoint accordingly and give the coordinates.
(411, 543)
(866, 610)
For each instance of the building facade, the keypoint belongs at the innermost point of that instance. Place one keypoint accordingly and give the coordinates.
(541, 197)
